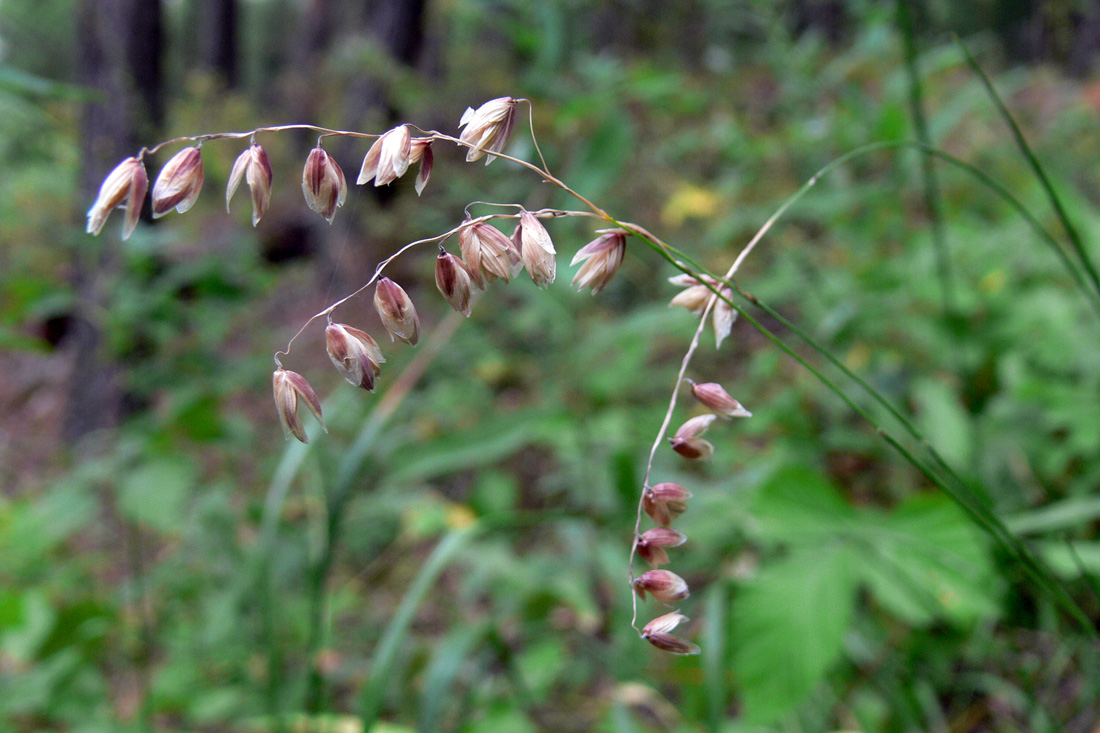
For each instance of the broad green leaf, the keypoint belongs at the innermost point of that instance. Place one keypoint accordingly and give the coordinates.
(788, 626)
(541, 664)
(155, 494)
(931, 562)
(799, 506)
(943, 420)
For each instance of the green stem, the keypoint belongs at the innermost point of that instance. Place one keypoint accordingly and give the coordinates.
(932, 198)
(1036, 166)
(984, 178)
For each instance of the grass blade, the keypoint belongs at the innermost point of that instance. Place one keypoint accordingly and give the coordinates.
(447, 663)
(381, 667)
(1033, 161)
(932, 199)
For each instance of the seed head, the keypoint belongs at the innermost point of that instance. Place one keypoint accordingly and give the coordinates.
(723, 318)
(422, 151)
(253, 166)
(652, 544)
(354, 354)
(665, 585)
(695, 297)
(288, 387)
(453, 281)
(602, 257)
(487, 252)
(488, 128)
(396, 310)
(697, 449)
(125, 186)
(179, 183)
(323, 184)
(687, 442)
(714, 397)
(388, 158)
(536, 250)
(665, 501)
(656, 632)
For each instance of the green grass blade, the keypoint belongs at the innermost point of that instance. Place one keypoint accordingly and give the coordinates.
(1036, 166)
(451, 656)
(385, 654)
(714, 653)
(932, 198)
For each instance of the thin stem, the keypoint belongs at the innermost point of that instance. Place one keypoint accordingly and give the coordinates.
(1036, 166)
(377, 273)
(251, 135)
(534, 138)
(546, 175)
(932, 198)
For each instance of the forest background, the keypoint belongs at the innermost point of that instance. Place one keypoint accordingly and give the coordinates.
(452, 555)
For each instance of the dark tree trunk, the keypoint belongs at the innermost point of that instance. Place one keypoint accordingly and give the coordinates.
(218, 41)
(120, 42)
(398, 28)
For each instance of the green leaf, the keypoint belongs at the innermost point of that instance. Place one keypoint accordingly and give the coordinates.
(451, 656)
(799, 506)
(929, 561)
(155, 494)
(1067, 562)
(1074, 511)
(943, 420)
(494, 440)
(788, 626)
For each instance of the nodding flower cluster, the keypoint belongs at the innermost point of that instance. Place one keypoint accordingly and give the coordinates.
(664, 502)
(487, 255)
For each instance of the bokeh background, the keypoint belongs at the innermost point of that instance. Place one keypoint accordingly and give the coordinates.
(452, 555)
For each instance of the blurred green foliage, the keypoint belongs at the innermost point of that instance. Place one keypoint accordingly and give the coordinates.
(460, 562)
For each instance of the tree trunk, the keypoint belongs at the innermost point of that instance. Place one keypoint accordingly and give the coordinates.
(218, 42)
(120, 42)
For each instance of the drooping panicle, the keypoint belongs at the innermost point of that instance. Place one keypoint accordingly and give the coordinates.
(602, 257)
(396, 310)
(656, 632)
(687, 442)
(536, 249)
(453, 281)
(665, 501)
(713, 396)
(126, 186)
(665, 585)
(288, 387)
(323, 183)
(355, 354)
(178, 183)
(253, 167)
(488, 128)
